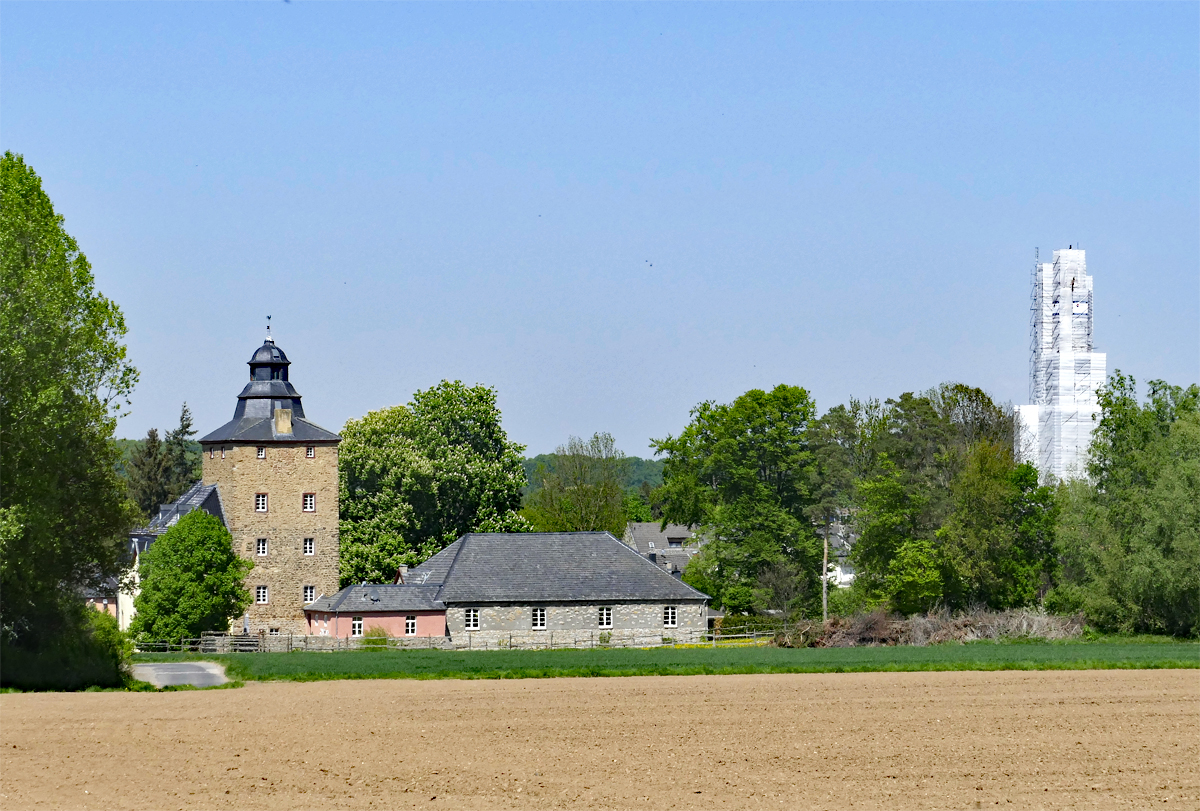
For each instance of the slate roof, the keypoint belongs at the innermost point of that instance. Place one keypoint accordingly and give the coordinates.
(198, 496)
(262, 429)
(367, 598)
(647, 537)
(553, 567)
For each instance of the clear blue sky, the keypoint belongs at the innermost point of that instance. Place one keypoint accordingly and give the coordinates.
(612, 212)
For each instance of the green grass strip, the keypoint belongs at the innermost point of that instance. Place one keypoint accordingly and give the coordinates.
(436, 664)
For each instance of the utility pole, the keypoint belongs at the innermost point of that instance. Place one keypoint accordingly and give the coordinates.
(825, 576)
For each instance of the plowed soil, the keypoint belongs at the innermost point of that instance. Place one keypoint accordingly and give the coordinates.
(1074, 739)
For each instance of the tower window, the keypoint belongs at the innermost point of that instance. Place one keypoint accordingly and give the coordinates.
(261, 547)
(309, 502)
(309, 546)
(260, 502)
(212, 452)
(260, 595)
(310, 452)
(222, 453)
(310, 593)
(261, 452)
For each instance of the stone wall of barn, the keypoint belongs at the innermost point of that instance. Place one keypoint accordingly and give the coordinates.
(578, 623)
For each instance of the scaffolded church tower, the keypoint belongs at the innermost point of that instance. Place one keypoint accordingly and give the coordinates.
(1064, 373)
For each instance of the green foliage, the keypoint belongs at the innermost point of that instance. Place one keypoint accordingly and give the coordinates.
(636, 507)
(415, 478)
(510, 664)
(998, 544)
(375, 638)
(1130, 544)
(583, 493)
(191, 581)
(745, 471)
(159, 472)
(63, 373)
(914, 581)
(890, 514)
(78, 648)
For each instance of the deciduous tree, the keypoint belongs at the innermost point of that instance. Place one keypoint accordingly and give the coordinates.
(191, 581)
(415, 478)
(583, 492)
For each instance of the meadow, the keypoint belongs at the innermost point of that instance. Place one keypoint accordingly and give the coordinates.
(684, 661)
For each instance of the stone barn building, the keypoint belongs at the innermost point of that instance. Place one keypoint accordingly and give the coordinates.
(524, 589)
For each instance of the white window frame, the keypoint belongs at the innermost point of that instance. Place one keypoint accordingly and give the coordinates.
(356, 626)
(310, 594)
(537, 619)
(308, 503)
(471, 619)
(212, 452)
(605, 618)
(260, 452)
(222, 453)
(260, 502)
(670, 616)
(261, 547)
(310, 546)
(310, 452)
(262, 595)
(273, 632)
(410, 625)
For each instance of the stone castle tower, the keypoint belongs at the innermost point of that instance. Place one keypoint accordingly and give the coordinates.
(277, 476)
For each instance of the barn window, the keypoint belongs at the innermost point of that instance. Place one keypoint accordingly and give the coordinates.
(471, 619)
(539, 619)
(670, 616)
(605, 616)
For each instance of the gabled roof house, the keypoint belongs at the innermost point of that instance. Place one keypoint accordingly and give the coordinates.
(522, 587)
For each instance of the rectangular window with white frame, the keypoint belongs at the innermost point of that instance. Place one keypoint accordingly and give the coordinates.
(310, 452)
(670, 616)
(274, 632)
(310, 594)
(410, 625)
(260, 502)
(260, 547)
(471, 619)
(356, 626)
(310, 546)
(261, 452)
(539, 619)
(308, 502)
(260, 595)
(605, 616)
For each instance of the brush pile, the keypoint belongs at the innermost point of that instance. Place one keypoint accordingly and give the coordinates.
(880, 628)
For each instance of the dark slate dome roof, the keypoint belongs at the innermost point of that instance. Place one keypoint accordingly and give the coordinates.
(269, 353)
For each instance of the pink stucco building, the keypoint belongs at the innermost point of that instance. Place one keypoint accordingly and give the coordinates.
(400, 610)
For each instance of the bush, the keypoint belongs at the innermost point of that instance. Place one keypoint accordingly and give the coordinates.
(80, 648)
(375, 638)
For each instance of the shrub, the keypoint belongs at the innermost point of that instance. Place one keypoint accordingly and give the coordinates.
(77, 649)
(375, 638)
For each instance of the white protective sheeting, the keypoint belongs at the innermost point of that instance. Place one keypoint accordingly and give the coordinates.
(1064, 373)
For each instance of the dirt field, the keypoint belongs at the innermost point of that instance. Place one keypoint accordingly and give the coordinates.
(1074, 739)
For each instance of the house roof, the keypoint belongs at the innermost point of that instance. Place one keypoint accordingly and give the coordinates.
(552, 567)
(647, 536)
(199, 495)
(367, 598)
(262, 429)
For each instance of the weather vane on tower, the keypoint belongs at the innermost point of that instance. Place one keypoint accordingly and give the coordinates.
(269, 338)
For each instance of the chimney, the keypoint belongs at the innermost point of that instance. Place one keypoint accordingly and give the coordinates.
(283, 420)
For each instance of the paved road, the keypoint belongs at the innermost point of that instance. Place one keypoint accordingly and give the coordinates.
(169, 674)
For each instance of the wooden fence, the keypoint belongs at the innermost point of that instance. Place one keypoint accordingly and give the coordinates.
(551, 640)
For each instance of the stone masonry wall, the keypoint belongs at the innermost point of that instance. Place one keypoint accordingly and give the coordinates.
(633, 623)
(284, 475)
